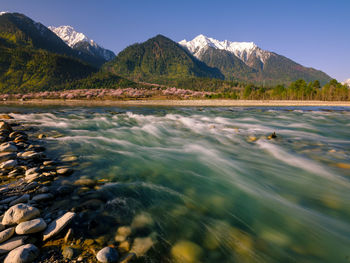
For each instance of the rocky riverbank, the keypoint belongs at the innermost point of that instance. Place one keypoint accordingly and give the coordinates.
(49, 213)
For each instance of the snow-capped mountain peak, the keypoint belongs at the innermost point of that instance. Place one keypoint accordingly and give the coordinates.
(69, 35)
(3, 12)
(242, 50)
(73, 38)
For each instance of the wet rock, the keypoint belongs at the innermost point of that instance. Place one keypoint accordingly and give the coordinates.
(272, 136)
(68, 252)
(23, 199)
(69, 159)
(142, 220)
(57, 225)
(127, 258)
(107, 255)
(48, 163)
(32, 171)
(30, 227)
(141, 245)
(93, 204)
(32, 177)
(10, 164)
(12, 243)
(41, 136)
(85, 182)
(8, 200)
(5, 126)
(23, 254)
(43, 190)
(2, 227)
(42, 197)
(5, 156)
(19, 213)
(30, 155)
(124, 246)
(5, 117)
(186, 252)
(122, 233)
(6, 234)
(64, 171)
(8, 147)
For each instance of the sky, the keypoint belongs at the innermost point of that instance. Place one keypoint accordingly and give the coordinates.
(314, 33)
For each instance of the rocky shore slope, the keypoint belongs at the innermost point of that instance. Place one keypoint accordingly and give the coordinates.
(49, 214)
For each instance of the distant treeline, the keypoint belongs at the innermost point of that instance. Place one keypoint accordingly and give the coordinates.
(297, 90)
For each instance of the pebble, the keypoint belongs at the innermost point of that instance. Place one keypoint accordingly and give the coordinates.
(68, 236)
(9, 164)
(186, 252)
(64, 171)
(68, 252)
(8, 200)
(85, 182)
(142, 220)
(23, 199)
(42, 197)
(141, 245)
(5, 117)
(57, 225)
(32, 177)
(5, 156)
(12, 244)
(122, 233)
(6, 234)
(30, 227)
(107, 255)
(5, 126)
(8, 147)
(41, 136)
(19, 213)
(23, 254)
(32, 171)
(69, 159)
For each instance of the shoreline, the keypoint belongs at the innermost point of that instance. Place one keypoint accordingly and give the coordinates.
(47, 206)
(181, 103)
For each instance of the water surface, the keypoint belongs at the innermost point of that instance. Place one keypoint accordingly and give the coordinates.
(209, 180)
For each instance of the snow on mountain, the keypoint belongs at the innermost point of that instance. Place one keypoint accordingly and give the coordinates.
(243, 50)
(69, 35)
(74, 38)
(3, 12)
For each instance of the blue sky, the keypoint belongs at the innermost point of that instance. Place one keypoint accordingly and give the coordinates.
(314, 33)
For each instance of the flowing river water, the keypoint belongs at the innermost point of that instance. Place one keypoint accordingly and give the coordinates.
(208, 181)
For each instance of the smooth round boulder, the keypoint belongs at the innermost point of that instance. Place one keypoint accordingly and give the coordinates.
(186, 252)
(8, 164)
(8, 147)
(23, 254)
(30, 227)
(19, 213)
(107, 255)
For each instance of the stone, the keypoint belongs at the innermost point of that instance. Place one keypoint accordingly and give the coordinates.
(12, 243)
(122, 233)
(5, 156)
(23, 254)
(42, 197)
(32, 171)
(41, 136)
(48, 163)
(142, 220)
(186, 252)
(124, 246)
(32, 177)
(5, 117)
(19, 213)
(68, 252)
(8, 164)
(30, 227)
(58, 225)
(6, 234)
(69, 159)
(30, 155)
(23, 199)
(141, 245)
(8, 147)
(8, 200)
(64, 171)
(85, 182)
(5, 126)
(43, 190)
(107, 255)
(2, 227)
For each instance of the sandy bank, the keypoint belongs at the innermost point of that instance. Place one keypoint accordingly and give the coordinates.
(182, 103)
